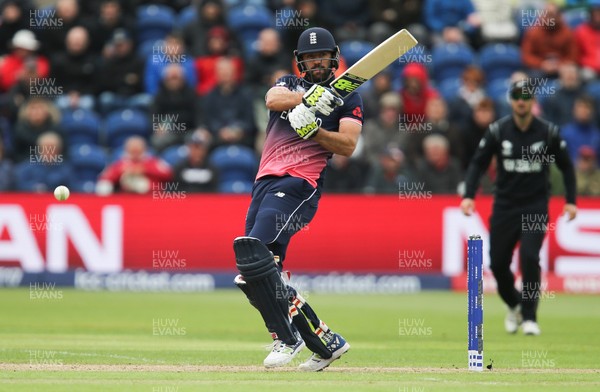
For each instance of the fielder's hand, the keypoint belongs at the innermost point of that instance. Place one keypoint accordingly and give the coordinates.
(321, 99)
(304, 121)
(467, 206)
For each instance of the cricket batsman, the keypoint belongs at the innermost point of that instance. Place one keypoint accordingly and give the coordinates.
(524, 146)
(307, 125)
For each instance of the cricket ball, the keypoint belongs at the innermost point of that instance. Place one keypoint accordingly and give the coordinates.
(61, 193)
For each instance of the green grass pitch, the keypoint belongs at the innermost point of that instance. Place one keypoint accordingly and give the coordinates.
(159, 342)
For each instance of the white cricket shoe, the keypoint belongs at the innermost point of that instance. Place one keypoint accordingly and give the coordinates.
(513, 319)
(282, 353)
(337, 345)
(531, 328)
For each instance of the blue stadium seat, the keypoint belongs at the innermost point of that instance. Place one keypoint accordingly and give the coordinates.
(449, 88)
(122, 124)
(247, 21)
(499, 61)
(235, 164)
(575, 17)
(593, 89)
(87, 160)
(450, 60)
(80, 126)
(354, 50)
(174, 154)
(154, 22)
(187, 16)
(498, 89)
(146, 49)
(235, 187)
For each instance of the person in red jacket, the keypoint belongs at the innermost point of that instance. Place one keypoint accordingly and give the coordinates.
(415, 93)
(21, 60)
(548, 44)
(587, 36)
(135, 172)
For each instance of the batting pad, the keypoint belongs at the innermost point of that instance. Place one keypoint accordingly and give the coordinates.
(264, 286)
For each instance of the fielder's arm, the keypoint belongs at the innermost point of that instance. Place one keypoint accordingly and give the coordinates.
(342, 142)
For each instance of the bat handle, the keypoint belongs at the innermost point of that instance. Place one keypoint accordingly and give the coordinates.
(338, 101)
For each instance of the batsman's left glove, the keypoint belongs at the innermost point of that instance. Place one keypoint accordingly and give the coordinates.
(304, 121)
(321, 99)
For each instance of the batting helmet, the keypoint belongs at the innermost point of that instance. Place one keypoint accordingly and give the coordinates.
(314, 40)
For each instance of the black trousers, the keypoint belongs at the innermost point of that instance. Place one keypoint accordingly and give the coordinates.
(511, 223)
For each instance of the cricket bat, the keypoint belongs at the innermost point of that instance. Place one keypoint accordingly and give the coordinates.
(373, 62)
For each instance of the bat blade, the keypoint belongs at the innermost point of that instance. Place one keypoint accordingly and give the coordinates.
(373, 62)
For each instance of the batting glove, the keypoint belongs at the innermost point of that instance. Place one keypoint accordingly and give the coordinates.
(304, 121)
(321, 99)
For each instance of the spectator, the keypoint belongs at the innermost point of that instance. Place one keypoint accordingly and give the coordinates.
(389, 175)
(46, 167)
(379, 132)
(90, 9)
(136, 172)
(415, 93)
(54, 38)
(440, 14)
(468, 96)
(109, 19)
(269, 57)
(311, 16)
(175, 104)
(14, 15)
(345, 174)
(227, 114)
(347, 19)
(76, 71)
(439, 172)
(436, 117)
(558, 107)
(582, 131)
(121, 75)
(210, 13)
(172, 51)
(22, 60)
(497, 21)
(587, 172)
(7, 176)
(380, 85)
(195, 173)
(587, 36)
(548, 44)
(37, 117)
(482, 116)
(219, 46)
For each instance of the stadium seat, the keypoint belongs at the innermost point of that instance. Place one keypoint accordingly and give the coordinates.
(498, 89)
(499, 61)
(235, 187)
(146, 49)
(174, 154)
(593, 89)
(80, 126)
(247, 21)
(449, 88)
(122, 124)
(235, 164)
(154, 22)
(450, 60)
(88, 161)
(186, 16)
(575, 17)
(354, 50)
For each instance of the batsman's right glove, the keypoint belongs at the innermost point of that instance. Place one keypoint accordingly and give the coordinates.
(321, 99)
(304, 121)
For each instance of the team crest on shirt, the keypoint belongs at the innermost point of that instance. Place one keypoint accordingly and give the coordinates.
(507, 148)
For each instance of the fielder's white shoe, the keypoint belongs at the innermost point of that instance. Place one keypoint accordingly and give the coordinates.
(531, 328)
(513, 319)
(282, 353)
(337, 345)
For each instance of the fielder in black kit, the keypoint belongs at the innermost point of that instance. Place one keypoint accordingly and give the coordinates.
(525, 146)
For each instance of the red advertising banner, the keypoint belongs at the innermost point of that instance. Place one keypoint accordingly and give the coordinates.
(350, 233)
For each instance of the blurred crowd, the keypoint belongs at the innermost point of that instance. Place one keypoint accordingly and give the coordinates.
(111, 96)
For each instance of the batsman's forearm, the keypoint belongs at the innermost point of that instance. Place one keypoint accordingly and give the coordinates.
(279, 99)
(337, 143)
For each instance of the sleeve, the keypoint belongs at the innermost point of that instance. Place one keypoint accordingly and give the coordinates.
(112, 173)
(571, 49)
(353, 109)
(530, 58)
(287, 81)
(558, 147)
(481, 160)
